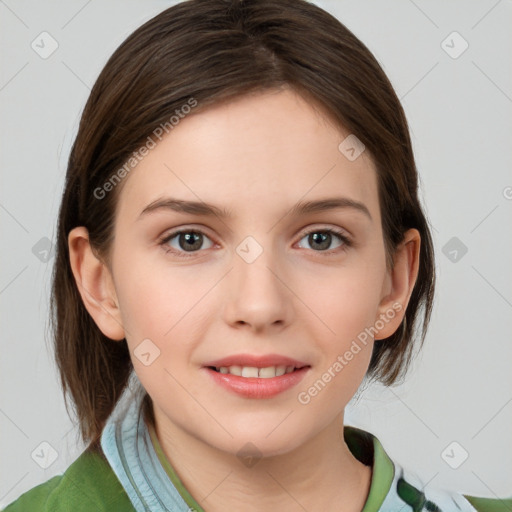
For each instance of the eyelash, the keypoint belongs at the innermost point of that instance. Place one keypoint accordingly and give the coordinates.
(164, 241)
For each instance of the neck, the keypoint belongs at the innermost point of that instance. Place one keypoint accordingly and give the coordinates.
(320, 475)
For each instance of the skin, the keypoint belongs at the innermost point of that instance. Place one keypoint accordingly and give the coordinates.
(257, 156)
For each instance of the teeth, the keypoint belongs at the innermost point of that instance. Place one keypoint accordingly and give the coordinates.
(249, 371)
(235, 370)
(252, 371)
(267, 373)
(280, 370)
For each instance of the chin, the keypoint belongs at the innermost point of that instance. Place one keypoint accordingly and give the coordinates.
(260, 440)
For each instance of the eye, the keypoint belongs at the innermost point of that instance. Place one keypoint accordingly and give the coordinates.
(185, 241)
(321, 239)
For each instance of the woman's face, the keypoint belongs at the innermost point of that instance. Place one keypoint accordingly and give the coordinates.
(259, 281)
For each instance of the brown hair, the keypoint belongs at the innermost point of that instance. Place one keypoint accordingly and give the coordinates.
(213, 51)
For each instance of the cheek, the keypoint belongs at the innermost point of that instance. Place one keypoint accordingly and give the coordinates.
(346, 299)
(157, 310)
(154, 297)
(347, 309)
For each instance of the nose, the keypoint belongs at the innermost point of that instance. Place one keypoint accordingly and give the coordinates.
(257, 295)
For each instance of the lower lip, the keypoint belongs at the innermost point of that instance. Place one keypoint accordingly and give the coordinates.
(255, 387)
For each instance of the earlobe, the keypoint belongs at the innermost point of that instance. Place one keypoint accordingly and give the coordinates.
(401, 280)
(95, 284)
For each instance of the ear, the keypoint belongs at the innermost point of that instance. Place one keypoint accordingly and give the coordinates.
(95, 284)
(399, 284)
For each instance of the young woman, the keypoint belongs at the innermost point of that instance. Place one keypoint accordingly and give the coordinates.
(240, 244)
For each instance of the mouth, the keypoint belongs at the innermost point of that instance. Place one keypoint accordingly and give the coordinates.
(256, 376)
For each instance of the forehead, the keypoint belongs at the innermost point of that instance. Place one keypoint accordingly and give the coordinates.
(252, 155)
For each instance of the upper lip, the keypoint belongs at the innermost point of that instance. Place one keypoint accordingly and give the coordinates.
(258, 361)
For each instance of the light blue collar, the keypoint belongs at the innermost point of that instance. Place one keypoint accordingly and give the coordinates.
(127, 445)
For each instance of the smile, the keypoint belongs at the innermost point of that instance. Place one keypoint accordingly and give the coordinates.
(256, 376)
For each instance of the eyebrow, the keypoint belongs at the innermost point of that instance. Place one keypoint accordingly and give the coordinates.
(210, 210)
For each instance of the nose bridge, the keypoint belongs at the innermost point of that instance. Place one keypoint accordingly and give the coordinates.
(257, 296)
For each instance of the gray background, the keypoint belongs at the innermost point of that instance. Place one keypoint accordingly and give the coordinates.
(459, 109)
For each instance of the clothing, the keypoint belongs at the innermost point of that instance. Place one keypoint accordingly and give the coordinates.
(132, 474)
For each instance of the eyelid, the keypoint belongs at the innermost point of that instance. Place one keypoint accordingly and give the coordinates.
(171, 232)
(335, 229)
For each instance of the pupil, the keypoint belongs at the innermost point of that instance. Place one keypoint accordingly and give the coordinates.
(191, 241)
(323, 238)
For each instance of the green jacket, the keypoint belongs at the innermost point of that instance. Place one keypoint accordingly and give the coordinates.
(90, 485)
